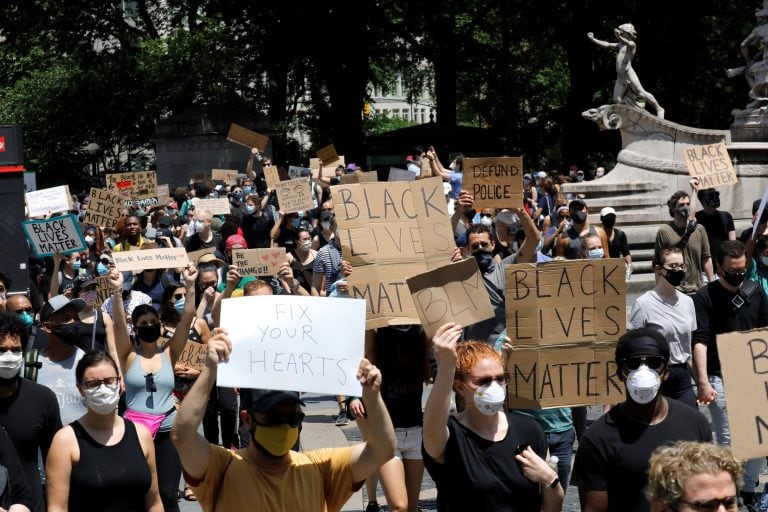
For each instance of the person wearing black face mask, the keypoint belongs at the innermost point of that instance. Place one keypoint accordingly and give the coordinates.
(569, 244)
(671, 312)
(684, 232)
(149, 378)
(718, 224)
(60, 354)
(618, 246)
(725, 306)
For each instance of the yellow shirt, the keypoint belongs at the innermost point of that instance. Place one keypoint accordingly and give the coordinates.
(319, 480)
(125, 246)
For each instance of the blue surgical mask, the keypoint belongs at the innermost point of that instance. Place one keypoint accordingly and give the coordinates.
(296, 222)
(170, 211)
(102, 269)
(247, 190)
(595, 254)
(178, 305)
(26, 318)
(76, 265)
(237, 195)
(250, 209)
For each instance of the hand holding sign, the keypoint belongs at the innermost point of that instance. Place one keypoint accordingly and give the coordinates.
(219, 348)
(445, 340)
(369, 376)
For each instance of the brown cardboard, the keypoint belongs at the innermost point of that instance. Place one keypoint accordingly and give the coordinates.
(194, 355)
(452, 293)
(218, 206)
(494, 182)
(104, 209)
(565, 302)
(294, 195)
(393, 231)
(711, 164)
(134, 185)
(258, 262)
(193, 256)
(560, 376)
(327, 154)
(163, 194)
(248, 138)
(228, 176)
(272, 176)
(175, 257)
(744, 363)
(359, 177)
(197, 177)
(103, 289)
(329, 169)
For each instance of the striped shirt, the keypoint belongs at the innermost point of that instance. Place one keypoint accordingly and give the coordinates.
(328, 261)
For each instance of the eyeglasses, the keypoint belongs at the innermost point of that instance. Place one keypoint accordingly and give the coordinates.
(480, 245)
(486, 215)
(25, 310)
(178, 296)
(94, 383)
(674, 267)
(484, 381)
(652, 362)
(729, 502)
(735, 271)
(149, 383)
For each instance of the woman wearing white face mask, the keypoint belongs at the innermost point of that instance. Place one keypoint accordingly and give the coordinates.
(483, 458)
(101, 461)
(302, 259)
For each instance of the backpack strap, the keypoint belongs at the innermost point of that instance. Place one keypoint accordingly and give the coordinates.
(31, 357)
(746, 290)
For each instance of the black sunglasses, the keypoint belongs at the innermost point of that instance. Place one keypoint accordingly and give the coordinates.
(652, 362)
(730, 503)
(293, 419)
(178, 296)
(149, 383)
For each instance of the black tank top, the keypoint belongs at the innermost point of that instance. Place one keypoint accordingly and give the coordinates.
(85, 334)
(109, 478)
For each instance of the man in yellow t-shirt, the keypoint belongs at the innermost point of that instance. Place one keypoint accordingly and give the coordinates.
(268, 475)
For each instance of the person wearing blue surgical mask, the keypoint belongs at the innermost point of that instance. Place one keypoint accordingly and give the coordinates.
(592, 247)
(22, 307)
(65, 271)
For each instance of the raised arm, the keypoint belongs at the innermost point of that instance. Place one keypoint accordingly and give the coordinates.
(379, 446)
(598, 42)
(233, 277)
(123, 344)
(526, 253)
(464, 203)
(192, 447)
(439, 402)
(180, 335)
(249, 166)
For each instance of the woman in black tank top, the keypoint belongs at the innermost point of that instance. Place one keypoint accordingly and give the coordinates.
(101, 462)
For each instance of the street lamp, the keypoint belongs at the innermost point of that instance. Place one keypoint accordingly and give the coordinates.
(94, 150)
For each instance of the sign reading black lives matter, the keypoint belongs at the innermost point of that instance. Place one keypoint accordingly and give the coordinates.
(294, 343)
(494, 182)
(711, 165)
(744, 362)
(57, 235)
(564, 319)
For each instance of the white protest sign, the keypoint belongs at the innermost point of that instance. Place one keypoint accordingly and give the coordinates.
(217, 206)
(175, 257)
(294, 343)
(760, 213)
(55, 235)
(55, 199)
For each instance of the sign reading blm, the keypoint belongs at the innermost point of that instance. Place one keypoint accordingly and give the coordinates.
(494, 182)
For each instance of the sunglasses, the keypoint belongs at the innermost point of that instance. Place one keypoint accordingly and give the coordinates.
(149, 383)
(486, 215)
(480, 245)
(652, 362)
(730, 503)
(94, 383)
(274, 418)
(178, 296)
(20, 311)
(735, 271)
(484, 381)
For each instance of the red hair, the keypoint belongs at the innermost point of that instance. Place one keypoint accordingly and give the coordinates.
(468, 353)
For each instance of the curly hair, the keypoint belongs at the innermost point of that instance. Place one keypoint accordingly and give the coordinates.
(672, 202)
(468, 353)
(672, 466)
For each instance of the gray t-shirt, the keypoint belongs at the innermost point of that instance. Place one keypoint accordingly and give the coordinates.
(675, 321)
(59, 377)
(489, 330)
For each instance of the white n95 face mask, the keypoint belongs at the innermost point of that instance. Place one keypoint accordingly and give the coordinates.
(643, 384)
(489, 398)
(10, 364)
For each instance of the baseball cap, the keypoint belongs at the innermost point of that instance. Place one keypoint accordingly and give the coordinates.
(607, 211)
(541, 174)
(165, 221)
(58, 303)
(210, 258)
(577, 204)
(262, 400)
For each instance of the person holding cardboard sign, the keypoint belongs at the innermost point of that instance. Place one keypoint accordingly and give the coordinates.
(611, 463)
(483, 458)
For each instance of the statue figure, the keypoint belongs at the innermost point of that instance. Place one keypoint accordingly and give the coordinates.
(628, 89)
(756, 70)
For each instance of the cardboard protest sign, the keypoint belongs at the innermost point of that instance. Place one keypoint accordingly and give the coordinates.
(453, 293)
(295, 172)
(48, 200)
(494, 182)
(329, 168)
(711, 164)
(744, 363)
(272, 176)
(217, 206)
(394, 231)
(555, 376)
(55, 235)
(103, 289)
(228, 176)
(193, 256)
(194, 355)
(105, 208)
(360, 177)
(175, 257)
(163, 194)
(396, 174)
(258, 262)
(294, 195)
(140, 187)
(248, 138)
(327, 155)
(197, 177)
(294, 343)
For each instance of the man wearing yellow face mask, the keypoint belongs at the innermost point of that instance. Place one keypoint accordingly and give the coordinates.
(268, 475)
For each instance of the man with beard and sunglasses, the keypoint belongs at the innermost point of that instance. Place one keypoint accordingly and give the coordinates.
(726, 305)
(611, 467)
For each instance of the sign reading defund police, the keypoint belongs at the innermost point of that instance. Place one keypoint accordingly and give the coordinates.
(564, 318)
(390, 232)
(294, 343)
(744, 363)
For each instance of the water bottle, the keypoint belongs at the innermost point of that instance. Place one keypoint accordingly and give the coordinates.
(628, 274)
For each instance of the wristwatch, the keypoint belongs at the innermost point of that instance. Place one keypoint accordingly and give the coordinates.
(553, 483)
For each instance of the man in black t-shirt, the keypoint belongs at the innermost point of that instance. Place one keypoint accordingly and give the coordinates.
(719, 225)
(611, 467)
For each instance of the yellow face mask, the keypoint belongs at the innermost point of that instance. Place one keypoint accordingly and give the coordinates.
(277, 439)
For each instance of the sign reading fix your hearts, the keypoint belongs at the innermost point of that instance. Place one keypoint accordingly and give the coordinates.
(258, 262)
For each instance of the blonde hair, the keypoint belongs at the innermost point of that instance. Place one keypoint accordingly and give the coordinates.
(671, 466)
